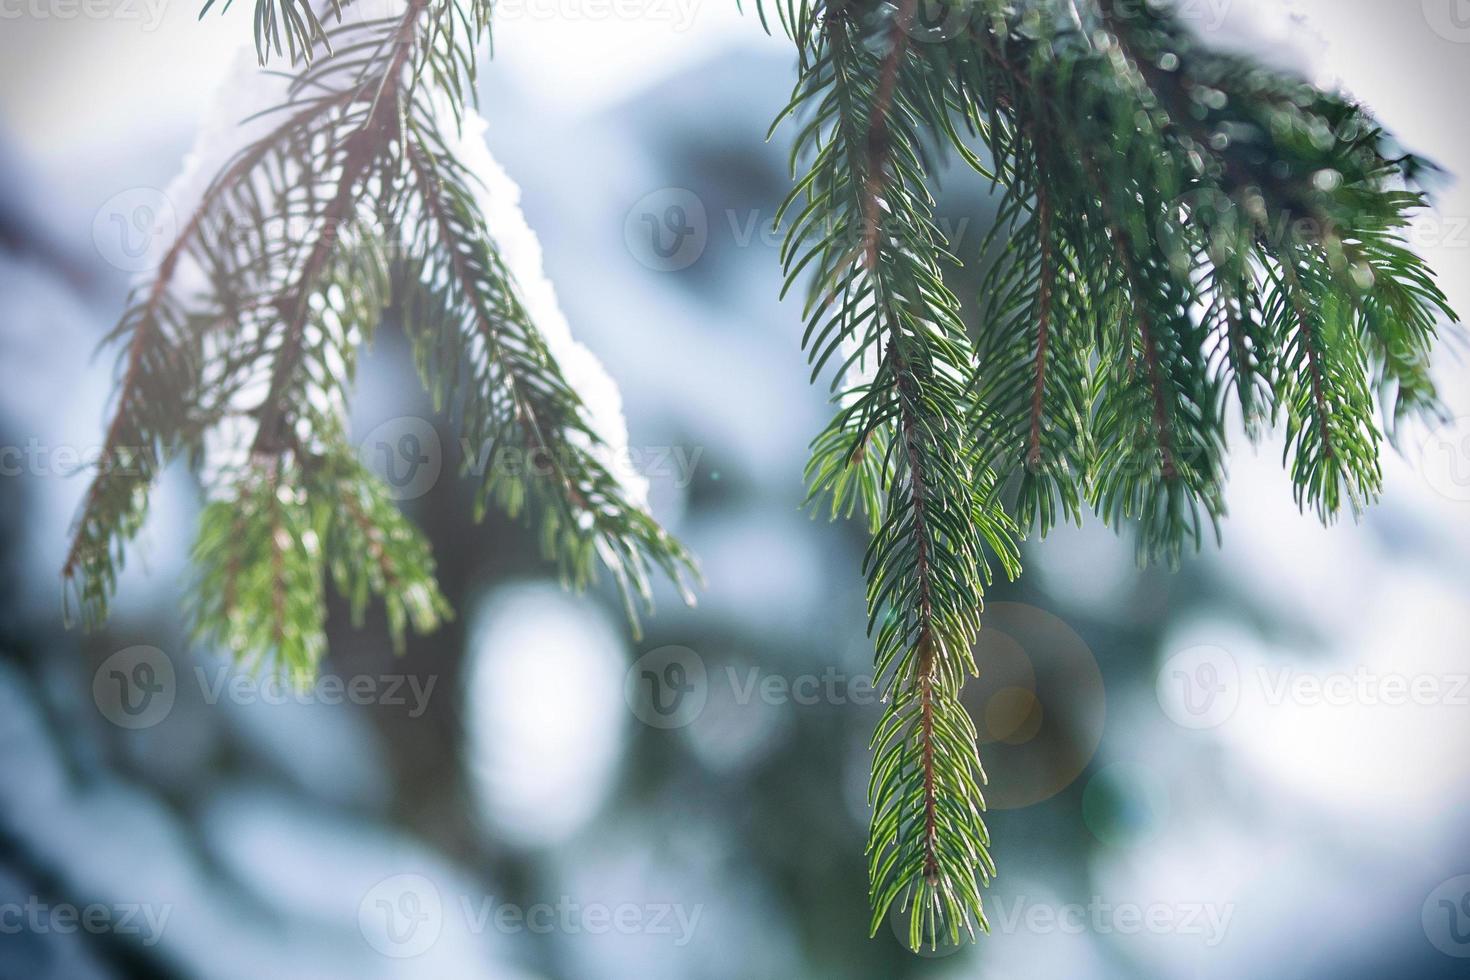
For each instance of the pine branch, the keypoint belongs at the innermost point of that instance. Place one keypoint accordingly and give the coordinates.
(1032, 375)
(1332, 440)
(292, 23)
(900, 447)
(515, 397)
(353, 202)
(261, 572)
(1177, 224)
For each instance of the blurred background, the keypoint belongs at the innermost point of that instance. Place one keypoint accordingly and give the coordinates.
(1256, 766)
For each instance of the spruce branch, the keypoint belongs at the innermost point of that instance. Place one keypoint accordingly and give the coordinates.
(899, 445)
(1176, 225)
(354, 198)
(289, 27)
(512, 396)
(1179, 226)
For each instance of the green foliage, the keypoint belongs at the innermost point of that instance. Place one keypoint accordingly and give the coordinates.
(289, 526)
(1180, 228)
(1184, 234)
(476, 348)
(351, 203)
(285, 27)
(899, 446)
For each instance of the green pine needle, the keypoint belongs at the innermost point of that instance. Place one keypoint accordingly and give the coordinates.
(1176, 227)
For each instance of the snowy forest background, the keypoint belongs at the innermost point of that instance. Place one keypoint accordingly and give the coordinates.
(1258, 825)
